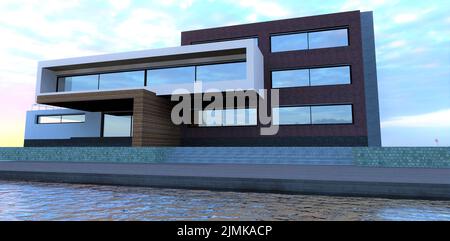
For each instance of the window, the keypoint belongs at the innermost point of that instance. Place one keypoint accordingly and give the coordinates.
(228, 117)
(328, 39)
(309, 40)
(288, 42)
(60, 119)
(122, 80)
(117, 125)
(335, 114)
(315, 115)
(176, 75)
(78, 83)
(118, 80)
(330, 76)
(172, 75)
(290, 78)
(311, 77)
(72, 118)
(222, 72)
(292, 116)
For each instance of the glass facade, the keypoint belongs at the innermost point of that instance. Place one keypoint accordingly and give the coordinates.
(73, 118)
(309, 40)
(122, 80)
(222, 72)
(315, 115)
(228, 117)
(292, 116)
(335, 114)
(173, 75)
(78, 83)
(60, 119)
(290, 78)
(311, 77)
(328, 39)
(330, 76)
(118, 80)
(117, 125)
(288, 42)
(177, 75)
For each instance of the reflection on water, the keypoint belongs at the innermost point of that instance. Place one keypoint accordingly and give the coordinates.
(43, 201)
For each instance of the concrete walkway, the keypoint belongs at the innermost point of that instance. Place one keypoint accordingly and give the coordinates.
(329, 180)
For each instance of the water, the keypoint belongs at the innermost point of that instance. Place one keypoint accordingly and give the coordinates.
(44, 201)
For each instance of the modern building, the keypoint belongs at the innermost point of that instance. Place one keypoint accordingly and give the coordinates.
(324, 68)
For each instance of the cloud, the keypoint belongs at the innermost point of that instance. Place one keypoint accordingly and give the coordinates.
(265, 8)
(412, 15)
(405, 18)
(364, 5)
(437, 119)
(120, 4)
(145, 28)
(397, 44)
(183, 4)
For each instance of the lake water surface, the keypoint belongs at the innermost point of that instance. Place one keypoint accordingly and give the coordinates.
(45, 201)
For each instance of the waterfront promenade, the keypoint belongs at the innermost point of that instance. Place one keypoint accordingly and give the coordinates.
(422, 183)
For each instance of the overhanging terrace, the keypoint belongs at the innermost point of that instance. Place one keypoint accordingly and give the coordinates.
(161, 71)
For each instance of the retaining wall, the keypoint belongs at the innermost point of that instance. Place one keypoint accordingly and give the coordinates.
(420, 157)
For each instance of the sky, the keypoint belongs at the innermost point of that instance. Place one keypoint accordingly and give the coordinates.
(412, 47)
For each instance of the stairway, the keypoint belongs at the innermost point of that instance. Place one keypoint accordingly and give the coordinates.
(262, 155)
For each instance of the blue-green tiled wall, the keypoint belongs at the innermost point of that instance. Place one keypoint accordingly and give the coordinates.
(428, 157)
(86, 154)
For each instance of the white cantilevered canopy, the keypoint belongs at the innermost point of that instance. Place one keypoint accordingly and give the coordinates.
(227, 51)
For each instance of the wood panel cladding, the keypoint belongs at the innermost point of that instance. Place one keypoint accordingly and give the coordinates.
(152, 124)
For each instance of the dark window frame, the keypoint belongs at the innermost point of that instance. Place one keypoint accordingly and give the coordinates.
(60, 119)
(146, 74)
(309, 71)
(98, 76)
(102, 124)
(321, 124)
(347, 27)
(232, 126)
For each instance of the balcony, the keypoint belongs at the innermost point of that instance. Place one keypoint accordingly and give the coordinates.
(211, 67)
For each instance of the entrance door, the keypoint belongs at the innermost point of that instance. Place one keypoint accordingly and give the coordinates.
(118, 124)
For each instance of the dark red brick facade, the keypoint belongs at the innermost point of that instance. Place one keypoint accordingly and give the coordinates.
(299, 135)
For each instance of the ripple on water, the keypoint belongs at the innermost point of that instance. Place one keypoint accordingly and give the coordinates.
(49, 201)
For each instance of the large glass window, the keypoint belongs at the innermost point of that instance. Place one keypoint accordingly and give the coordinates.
(60, 119)
(122, 80)
(222, 72)
(288, 42)
(292, 116)
(117, 125)
(78, 83)
(330, 76)
(328, 39)
(73, 118)
(335, 114)
(311, 77)
(309, 40)
(290, 78)
(176, 75)
(315, 115)
(228, 117)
